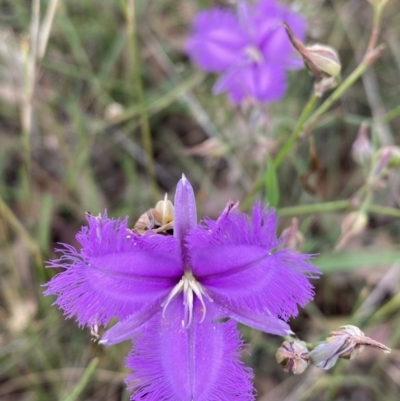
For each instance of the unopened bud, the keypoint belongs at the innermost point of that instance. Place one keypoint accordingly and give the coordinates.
(114, 112)
(389, 156)
(212, 147)
(346, 342)
(292, 237)
(293, 356)
(159, 219)
(164, 211)
(323, 61)
(352, 225)
(362, 149)
(355, 222)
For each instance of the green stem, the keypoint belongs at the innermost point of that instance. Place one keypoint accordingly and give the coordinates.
(144, 118)
(13, 221)
(314, 208)
(87, 375)
(346, 84)
(287, 147)
(390, 115)
(387, 211)
(336, 206)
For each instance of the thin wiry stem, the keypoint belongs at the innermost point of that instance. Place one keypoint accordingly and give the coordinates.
(13, 221)
(84, 381)
(46, 28)
(308, 118)
(144, 118)
(29, 86)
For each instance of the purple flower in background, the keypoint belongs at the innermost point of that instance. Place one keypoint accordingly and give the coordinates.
(250, 49)
(171, 293)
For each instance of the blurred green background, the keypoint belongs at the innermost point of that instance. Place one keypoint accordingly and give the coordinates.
(100, 108)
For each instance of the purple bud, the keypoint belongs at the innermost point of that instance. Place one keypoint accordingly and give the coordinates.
(362, 149)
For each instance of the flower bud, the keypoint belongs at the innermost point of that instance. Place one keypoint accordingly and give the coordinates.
(114, 112)
(164, 211)
(362, 149)
(389, 156)
(293, 356)
(212, 148)
(323, 61)
(346, 342)
(352, 225)
(292, 237)
(159, 219)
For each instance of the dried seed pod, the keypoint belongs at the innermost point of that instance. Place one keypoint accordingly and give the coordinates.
(346, 342)
(292, 237)
(293, 356)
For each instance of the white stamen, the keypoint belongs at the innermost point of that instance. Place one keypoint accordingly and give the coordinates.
(174, 292)
(254, 54)
(190, 287)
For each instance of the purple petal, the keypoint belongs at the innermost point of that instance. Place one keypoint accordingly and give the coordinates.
(185, 210)
(259, 321)
(172, 363)
(130, 327)
(216, 40)
(237, 258)
(264, 82)
(230, 82)
(115, 274)
(246, 19)
(325, 355)
(272, 38)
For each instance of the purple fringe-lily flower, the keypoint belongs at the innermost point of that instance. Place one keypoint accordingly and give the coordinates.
(171, 294)
(250, 48)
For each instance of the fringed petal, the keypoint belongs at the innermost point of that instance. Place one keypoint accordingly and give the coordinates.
(271, 36)
(116, 272)
(201, 363)
(216, 40)
(259, 321)
(130, 327)
(238, 259)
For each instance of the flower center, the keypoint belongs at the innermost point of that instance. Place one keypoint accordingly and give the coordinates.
(253, 53)
(190, 287)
